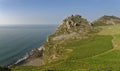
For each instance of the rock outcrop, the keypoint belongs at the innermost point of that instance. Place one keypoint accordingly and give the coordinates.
(72, 24)
(106, 20)
(72, 27)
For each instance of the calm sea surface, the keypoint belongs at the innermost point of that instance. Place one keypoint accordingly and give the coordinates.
(15, 42)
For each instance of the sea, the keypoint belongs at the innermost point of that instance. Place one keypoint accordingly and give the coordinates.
(17, 41)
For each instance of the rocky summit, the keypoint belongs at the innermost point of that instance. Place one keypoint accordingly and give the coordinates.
(72, 27)
(72, 24)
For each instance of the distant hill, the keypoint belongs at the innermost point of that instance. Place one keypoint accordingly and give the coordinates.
(106, 20)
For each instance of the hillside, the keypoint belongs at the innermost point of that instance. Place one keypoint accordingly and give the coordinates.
(106, 20)
(73, 27)
(78, 46)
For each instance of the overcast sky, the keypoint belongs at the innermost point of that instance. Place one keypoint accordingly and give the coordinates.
(28, 12)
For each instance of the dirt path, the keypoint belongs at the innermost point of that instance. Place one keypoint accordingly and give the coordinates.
(114, 48)
(116, 42)
(103, 53)
(114, 31)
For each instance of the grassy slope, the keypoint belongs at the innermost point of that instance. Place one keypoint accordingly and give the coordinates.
(110, 60)
(96, 53)
(80, 49)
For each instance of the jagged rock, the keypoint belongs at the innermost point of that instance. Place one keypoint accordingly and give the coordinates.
(35, 53)
(72, 27)
(71, 24)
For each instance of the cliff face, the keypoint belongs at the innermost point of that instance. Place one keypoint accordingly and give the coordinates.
(106, 20)
(72, 28)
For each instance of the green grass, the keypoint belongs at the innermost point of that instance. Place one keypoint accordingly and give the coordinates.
(81, 49)
(110, 30)
(109, 61)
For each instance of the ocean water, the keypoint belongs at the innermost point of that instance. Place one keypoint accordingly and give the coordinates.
(15, 42)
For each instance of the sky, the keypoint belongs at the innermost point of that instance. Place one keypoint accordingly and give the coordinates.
(36, 12)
